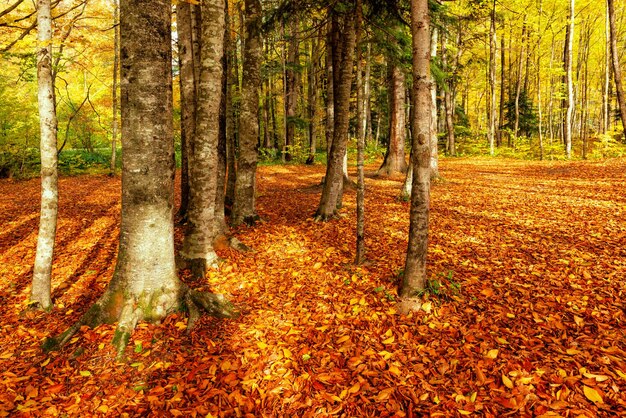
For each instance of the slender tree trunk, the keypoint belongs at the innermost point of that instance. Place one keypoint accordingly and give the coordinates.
(367, 95)
(395, 161)
(492, 81)
(343, 57)
(330, 93)
(220, 179)
(448, 101)
(40, 292)
(232, 121)
(201, 229)
(360, 191)
(116, 66)
(144, 285)
(518, 83)
(245, 188)
(434, 139)
(607, 73)
(503, 88)
(539, 104)
(187, 96)
(617, 71)
(313, 96)
(291, 89)
(567, 128)
(415, 273)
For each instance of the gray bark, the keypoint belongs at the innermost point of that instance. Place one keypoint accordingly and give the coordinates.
(617, 70)
(343, 47)
(40, 292)
(116, 65)
(415, 273)
(202, 227)
(144, 285)
(188, 79)
(245, 186)
(567, 128)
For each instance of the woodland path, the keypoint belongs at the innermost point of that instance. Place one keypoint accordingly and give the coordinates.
(531, 258)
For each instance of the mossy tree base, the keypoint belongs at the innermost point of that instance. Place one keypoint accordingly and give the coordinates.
(128, 311)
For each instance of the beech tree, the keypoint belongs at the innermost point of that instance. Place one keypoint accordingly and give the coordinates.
(342, 47)
(415, 273)
(201, 229)
(245, 185)
(617, 71)
(40, 292)
(145, 285)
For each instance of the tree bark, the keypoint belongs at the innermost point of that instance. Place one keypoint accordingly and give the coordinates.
(607, 73)
(244, 210)
(232, 121)
(567, 128)
(448, 101)
(40, 292)
(518, 83)
(291, 88)
(144, 285)
(201, 226)
(539, 103)
(360, 191)
(617, 71)
(491, 133)
(114, 99)
(187, 96)
(434, 139)
(395, 161)
(313, 96)
(343, 57)
(415, 273)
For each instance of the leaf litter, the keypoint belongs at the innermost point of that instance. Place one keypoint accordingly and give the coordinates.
(525, 305)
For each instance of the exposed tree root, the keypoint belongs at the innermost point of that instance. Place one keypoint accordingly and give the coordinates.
(129, 311)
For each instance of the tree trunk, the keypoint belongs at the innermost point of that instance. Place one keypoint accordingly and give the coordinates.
(502, 92)
(245, 187)
(448, 101)
(617, 71)
(539, 104)
(395, 160)
(518, 83)
(607, 73)
(40, 292)
(360, 191)
(187, 96)
(116, 66)
(343, 57)
(434, 139)
(232, 121)
(201, 227)
(144, 285)
(367, 94)
(330, 93)
(313, 96)
(567, 128)
(291, 88)
(415, 274)
(491, 133)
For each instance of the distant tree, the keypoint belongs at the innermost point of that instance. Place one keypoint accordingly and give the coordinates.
(145, 285)
(342, 47)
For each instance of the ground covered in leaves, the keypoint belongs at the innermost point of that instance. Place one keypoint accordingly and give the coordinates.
(525, 315)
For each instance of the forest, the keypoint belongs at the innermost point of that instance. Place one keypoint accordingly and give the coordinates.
(329, 208)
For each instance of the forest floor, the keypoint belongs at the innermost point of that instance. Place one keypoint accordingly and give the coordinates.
(526, 316)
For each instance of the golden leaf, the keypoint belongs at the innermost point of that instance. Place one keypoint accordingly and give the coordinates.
(592, 394)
